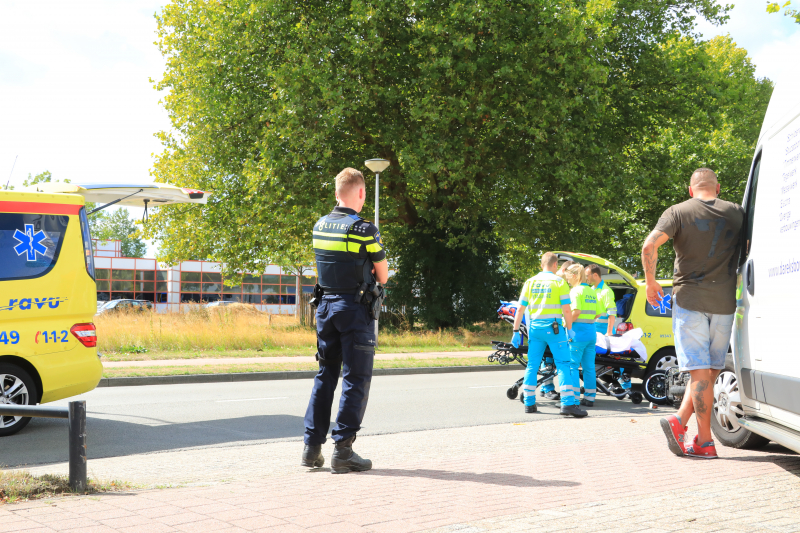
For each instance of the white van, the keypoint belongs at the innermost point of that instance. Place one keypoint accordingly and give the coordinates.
(757, 396)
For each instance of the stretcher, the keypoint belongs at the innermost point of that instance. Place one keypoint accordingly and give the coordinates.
(615, 356)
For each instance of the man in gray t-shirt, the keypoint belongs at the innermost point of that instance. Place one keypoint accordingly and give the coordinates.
(705, 232)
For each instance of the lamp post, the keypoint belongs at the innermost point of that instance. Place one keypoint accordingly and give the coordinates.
(377, 166)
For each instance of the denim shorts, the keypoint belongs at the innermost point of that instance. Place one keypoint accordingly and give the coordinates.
(701, 339)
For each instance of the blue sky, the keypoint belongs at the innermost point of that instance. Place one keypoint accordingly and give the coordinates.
(75, 97)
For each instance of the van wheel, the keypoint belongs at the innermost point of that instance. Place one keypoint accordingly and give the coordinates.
(727, 410)
(16, 388)
(665, 359)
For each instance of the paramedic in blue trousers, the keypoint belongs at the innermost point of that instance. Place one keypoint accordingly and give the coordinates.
(350, 259)
(547, 295)
(547, 389)
(582, 350)
(607, 309)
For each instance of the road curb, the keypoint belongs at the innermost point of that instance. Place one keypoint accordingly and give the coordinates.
(273, 376)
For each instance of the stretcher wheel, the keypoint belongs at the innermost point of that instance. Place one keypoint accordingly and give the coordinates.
(637, 397)
(512, 393)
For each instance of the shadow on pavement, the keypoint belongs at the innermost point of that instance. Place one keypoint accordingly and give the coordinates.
(772, 453)
(490, 478)
(45, 440)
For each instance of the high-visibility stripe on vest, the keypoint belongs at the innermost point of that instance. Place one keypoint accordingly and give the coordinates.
(606, 305)
(544, 294)
(584, 299)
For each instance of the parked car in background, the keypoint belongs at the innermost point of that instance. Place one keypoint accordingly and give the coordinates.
(219, 303)
(116, 306)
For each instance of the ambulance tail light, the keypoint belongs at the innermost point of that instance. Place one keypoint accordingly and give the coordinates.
(86, 334)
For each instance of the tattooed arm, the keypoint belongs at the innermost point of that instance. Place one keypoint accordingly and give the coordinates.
(649, 262)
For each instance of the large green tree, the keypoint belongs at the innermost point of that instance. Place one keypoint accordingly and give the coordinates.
(512, 127)
(118, 225)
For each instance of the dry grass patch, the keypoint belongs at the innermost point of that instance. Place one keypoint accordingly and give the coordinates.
(19, 485)
(218, 332)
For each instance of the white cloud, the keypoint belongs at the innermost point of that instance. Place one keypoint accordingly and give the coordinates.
(772, 40)
(74, 92)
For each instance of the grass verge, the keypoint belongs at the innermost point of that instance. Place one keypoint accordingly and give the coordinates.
(19, 485)
(283, 367)
(240, 331)
(266, 354)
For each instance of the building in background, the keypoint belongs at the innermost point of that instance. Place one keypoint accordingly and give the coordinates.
(190, 282)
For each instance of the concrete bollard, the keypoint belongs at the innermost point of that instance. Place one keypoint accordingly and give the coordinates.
(77, 446)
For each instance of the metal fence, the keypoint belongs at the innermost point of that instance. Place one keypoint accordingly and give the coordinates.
(76, 415)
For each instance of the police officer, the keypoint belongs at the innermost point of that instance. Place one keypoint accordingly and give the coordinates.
(548, 298)
(350, 259)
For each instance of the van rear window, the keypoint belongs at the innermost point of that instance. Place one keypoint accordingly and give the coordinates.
(30, 244)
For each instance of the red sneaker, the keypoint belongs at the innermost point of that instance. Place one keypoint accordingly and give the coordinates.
(676, 434)
(706, 451)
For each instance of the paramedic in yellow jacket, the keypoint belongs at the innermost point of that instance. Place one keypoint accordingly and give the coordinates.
(546, 298)
(607, 315)
(582, 349)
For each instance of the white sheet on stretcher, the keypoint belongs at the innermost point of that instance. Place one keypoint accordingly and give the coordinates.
(627, 341)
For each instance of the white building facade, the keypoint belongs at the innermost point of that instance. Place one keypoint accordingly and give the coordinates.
(171, 288)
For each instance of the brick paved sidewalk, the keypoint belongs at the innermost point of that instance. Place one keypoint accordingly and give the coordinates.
(552, 475)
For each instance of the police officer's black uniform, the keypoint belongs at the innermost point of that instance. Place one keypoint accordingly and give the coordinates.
(346, 247)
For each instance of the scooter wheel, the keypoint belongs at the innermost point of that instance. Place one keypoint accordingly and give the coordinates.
(512, 393)
(637, 397)
(522, 398)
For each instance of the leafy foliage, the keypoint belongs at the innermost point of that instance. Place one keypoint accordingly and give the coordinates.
(512, 127)
(774, 7)
(44, 177)
(118, 225)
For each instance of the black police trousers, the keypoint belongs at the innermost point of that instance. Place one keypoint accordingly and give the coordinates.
(346, 341)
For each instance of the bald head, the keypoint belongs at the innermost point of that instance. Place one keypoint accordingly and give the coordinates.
(704, 184)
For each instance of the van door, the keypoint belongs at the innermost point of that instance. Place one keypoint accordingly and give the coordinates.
(771, 272)
(746, 355)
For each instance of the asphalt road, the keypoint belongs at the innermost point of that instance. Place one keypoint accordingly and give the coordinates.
(132, 420)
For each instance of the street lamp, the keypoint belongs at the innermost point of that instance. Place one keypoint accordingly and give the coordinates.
(377, 166)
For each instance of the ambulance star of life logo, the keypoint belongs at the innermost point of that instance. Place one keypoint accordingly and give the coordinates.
(664, 305)
(30, 243)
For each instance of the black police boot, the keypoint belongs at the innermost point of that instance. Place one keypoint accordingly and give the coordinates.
(312, 456)
(573, 410)
(530, 408)
(552, 395)
(587, 403)
(345, 460)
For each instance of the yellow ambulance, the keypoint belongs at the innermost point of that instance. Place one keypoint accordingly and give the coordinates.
(48, 296)
(634, 310)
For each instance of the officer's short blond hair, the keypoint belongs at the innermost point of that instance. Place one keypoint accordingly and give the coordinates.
(347, 180)
(549, 260)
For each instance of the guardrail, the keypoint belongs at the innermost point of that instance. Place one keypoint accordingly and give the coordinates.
(76, 414)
